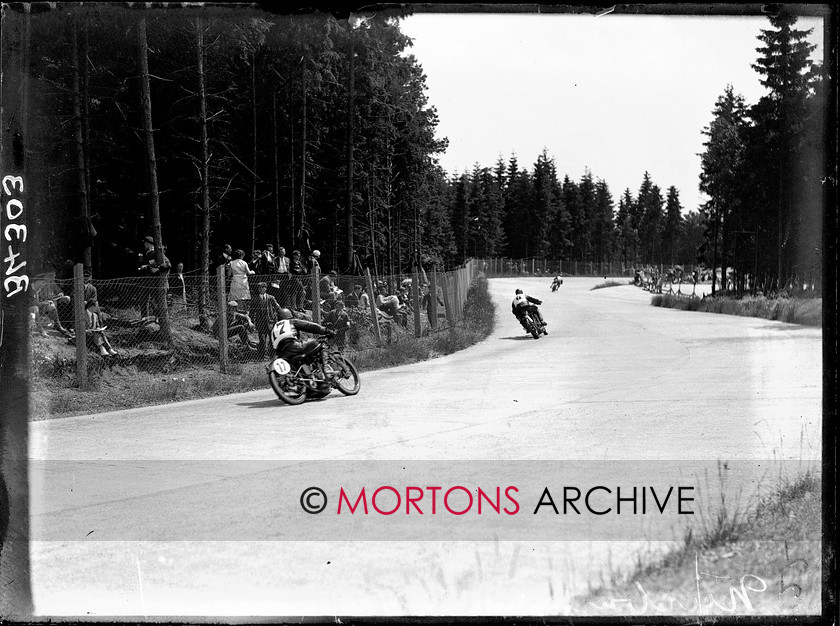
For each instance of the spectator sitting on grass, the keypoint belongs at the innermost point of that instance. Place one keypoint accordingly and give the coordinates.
(93, 321)
(339, 321)
(47, 298)
(239, 324)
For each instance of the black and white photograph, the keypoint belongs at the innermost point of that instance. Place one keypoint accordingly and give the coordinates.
(417, 311)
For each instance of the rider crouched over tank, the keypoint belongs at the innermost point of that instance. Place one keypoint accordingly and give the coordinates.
(523, 304)
(285, 338)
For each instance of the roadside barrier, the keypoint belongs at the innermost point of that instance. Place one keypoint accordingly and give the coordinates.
(171, 323)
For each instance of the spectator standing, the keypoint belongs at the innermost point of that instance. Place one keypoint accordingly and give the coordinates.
(352, 298)
(239, 290)
(225, 258)
(284, 287)
(266, 264)
(265, 312)
(178, 286)
(298, 271)
(313, 261)
(281, 261)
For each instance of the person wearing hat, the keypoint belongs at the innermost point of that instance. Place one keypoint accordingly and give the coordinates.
(267, 262)
(264, 311)
(312, 262)
(93, 318)
(298, 270)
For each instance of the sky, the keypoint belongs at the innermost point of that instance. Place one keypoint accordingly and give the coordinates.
(617, 94)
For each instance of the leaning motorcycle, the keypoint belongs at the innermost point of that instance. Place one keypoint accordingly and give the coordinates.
(532, 326)
(295, 382)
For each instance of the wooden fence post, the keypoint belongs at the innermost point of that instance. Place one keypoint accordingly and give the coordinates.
(415, 298)
(434, 300)
(316, 296)
(376, 331)
(447, 304)
(221, 318)
(81, 325)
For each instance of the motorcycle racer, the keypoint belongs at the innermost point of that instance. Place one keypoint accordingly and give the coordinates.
(523, 304)
(285, 338)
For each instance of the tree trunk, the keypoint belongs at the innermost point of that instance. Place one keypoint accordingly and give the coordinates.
(146, 98)
(303, 154)
(78, 136)
(85, 66)
(350, 118)
(204, 291)
(277, 242)
(714, 251)
(254, 153)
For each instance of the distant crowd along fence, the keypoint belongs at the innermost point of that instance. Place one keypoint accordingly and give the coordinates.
(500, 267)
(129, 314)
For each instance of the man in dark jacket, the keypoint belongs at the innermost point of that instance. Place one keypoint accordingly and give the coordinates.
(264, 313)
(298, 270)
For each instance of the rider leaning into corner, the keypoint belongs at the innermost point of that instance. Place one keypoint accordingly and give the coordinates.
(526, 304)
(285, 338)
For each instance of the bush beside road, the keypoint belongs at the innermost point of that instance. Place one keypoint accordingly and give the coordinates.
(805, 311)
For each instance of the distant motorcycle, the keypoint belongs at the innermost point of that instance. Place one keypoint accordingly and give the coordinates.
(556, 283)
(295, 382)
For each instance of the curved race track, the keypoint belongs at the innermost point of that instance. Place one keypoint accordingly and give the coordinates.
(616, 379)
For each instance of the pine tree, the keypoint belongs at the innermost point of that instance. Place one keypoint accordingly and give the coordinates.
(776, 145)
(673, 225)
(722, 173)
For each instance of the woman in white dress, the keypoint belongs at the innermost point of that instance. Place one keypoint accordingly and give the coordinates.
(239, 289)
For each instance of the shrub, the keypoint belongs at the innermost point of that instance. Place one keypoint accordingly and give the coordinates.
(793, 311)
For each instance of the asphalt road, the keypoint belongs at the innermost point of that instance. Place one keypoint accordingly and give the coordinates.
(615, 381)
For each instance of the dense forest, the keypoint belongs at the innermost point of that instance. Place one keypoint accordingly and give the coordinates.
(209, 126)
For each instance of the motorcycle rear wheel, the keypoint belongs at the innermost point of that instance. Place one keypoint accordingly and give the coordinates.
(346, 379)
(288, 389)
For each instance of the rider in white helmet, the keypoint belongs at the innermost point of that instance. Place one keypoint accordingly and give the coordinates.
(526, 304)
(285, 338)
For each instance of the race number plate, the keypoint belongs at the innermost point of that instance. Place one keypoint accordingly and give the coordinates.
(281, 366)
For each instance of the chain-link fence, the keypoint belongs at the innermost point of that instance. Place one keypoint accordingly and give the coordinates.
(166, 324)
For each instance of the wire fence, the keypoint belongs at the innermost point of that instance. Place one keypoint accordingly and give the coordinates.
(164, 324)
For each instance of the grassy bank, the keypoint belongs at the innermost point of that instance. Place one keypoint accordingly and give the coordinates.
(776, 571)
(126, 384)
(805, 311)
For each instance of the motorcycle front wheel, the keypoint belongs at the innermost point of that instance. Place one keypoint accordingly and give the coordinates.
(532, 327)
(290, 390)
(347, 379)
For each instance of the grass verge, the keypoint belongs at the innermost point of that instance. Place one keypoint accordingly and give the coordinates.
(805, 311)
(777, 571)
(53, 391)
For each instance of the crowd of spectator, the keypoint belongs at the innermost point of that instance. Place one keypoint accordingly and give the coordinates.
(256, 287)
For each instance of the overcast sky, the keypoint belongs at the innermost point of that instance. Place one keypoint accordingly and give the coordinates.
(616, 94)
